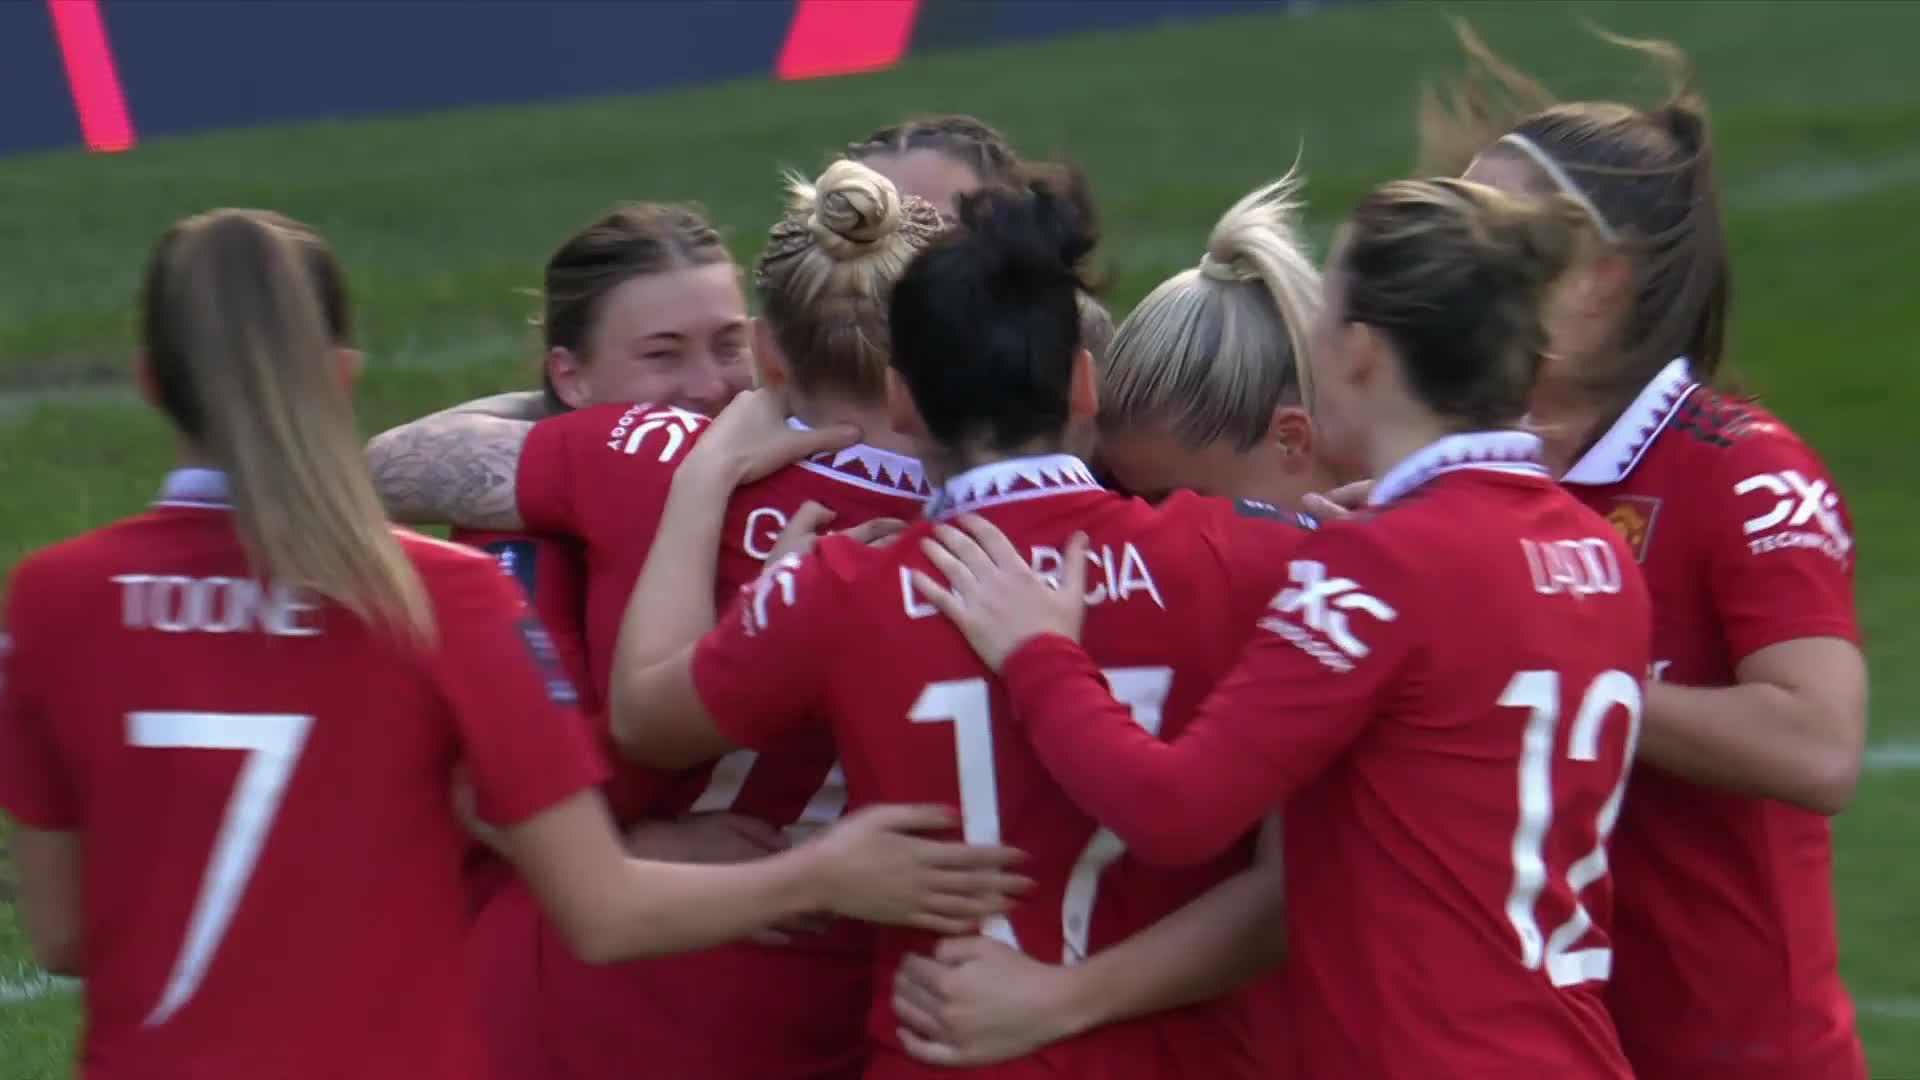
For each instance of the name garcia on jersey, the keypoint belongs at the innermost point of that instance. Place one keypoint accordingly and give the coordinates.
(1113, 574)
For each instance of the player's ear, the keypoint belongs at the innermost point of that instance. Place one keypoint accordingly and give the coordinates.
(568, 374)
(346, 367)
(1083, 391)
(901, 411)
(1291, 433)
(769, 363)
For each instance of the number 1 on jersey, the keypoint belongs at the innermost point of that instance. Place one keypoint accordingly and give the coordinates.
(273, 742)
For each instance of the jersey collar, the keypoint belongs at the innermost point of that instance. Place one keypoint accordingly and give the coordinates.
(1626, 442)
(1012, 480)
(195, 487)
(869, 466)
(1492, 451)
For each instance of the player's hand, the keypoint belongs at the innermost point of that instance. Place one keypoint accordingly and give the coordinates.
(976, 1001)
(994, 595)
(751, 438)
(712, 839)
(1340, 502)
(871, 866)
(807, 523)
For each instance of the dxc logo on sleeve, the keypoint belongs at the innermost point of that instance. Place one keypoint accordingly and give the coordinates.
(777, 576)
(1320, 603)
(1798, 502)
(641, 421)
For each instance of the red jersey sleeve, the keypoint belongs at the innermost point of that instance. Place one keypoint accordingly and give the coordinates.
(511, 699)
(1781, 546)
(570, 466)
(543, 483)
(761, 669)
(35, 783)
(1327, 650)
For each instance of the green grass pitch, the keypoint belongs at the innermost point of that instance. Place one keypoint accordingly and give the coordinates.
(443, 221)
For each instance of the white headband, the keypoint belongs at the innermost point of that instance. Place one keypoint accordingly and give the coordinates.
(1560, 180)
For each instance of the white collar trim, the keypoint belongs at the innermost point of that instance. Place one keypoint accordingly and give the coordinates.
(1010, 481)
(195, 487)
(1626, 442)
(1492, 451)
(891, 471)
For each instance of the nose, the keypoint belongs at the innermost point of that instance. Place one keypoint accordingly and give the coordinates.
(706, 389)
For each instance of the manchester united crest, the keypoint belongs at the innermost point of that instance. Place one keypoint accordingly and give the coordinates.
(1633, 517)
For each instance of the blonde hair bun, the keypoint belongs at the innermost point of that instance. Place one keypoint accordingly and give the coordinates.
(851, 208)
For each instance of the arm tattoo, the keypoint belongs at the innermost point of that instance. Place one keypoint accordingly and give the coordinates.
(454, 468)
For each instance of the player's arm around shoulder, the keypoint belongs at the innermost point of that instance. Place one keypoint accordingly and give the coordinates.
(35, 785)
(1778, 558)
(752, 676)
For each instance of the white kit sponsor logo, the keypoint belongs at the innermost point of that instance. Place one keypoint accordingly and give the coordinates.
(1313, 614)
(777, 577)
(637, 423)
(1805, 514)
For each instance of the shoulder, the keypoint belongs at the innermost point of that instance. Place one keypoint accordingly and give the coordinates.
(1246, 527)
(1730, 438)
(618, 433)
(843, 560)
(643, 431)
(94, 555)
(451, 572)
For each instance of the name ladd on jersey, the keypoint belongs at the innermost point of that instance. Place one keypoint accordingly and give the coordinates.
(176, 604)
(1586, 566)
(1112, 574)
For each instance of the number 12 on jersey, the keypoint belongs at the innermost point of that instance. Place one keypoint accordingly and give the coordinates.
(1539, 693)
(967, 705)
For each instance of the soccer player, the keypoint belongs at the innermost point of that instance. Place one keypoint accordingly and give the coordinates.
(1444, 695)
(228, 726)
(1756, 706)
(1203, 390)
(604, 476)
(988, 372)
(641, 304)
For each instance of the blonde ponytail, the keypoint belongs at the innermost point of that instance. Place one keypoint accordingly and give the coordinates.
(1216, 349)
(238, 338)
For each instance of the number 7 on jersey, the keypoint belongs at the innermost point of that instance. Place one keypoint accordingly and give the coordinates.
(272, 742)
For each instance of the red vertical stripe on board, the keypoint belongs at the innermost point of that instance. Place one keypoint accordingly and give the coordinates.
(839, 37)
(95, 83)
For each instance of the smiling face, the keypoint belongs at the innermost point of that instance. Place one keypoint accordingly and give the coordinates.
(676, 337)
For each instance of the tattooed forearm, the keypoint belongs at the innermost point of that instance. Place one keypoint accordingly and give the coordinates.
(450, 468)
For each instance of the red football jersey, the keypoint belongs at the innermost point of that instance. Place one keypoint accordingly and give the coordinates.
(1445, 696)
(841, 639)
(549, 570)
(602, 475)
(1728, 961)
(263, 785)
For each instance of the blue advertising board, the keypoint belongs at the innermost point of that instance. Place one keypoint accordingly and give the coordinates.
(173, 66)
